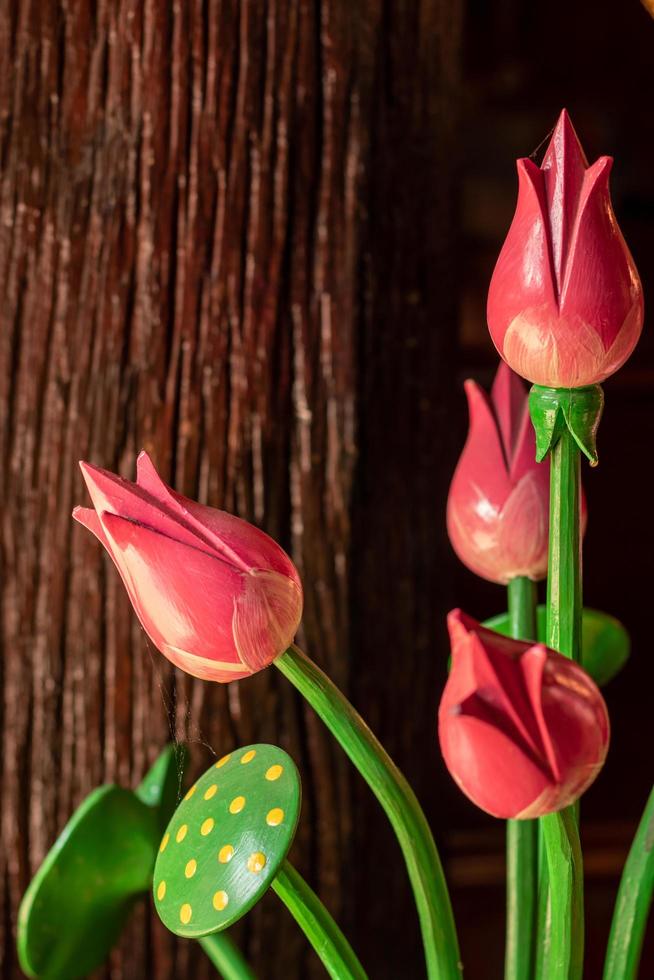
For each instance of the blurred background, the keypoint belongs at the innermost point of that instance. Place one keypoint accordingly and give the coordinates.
(255, 238)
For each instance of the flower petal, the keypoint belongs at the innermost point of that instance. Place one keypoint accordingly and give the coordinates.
(524, 274)
(88, 517)
(601, 285)
(183, 596)
(112, 494)
(563, 166)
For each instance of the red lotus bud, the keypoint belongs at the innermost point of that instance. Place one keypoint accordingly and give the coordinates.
(218, 597)
(498, 504)
(565, 304)
(523, 730)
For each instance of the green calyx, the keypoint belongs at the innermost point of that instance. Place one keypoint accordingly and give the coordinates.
(553, 410)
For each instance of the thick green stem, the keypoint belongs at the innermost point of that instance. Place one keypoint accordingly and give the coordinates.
(564, 599)
(633, 903)
(561, 925)
(330, 944)
(399, 802)
(564, 941)
(521, 835)
(226, 957)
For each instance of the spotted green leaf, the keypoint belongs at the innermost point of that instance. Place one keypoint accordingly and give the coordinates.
(226, 841)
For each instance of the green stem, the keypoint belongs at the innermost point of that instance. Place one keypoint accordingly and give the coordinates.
(564, 955)
(564, 600)
(633, 903)
(521, 835)
(330, 944)
(226, 957)
(561, 925)
(399, 802)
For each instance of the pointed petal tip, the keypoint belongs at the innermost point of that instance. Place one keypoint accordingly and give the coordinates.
(507, 386)
(563, 140)
(527, 169)
(471, 388)
(475, 395)
(564, 118)
(459, 623)
(90, 470)
(88, 518)
(144, 460)
(564, 127)
(599, 172)
(537, 651)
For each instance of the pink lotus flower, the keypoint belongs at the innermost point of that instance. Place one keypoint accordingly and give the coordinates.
(498, 505)
(565, 305)
(217, 596)
(523, 730)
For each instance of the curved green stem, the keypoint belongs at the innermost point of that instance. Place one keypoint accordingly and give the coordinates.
(226, 957)
(521, 835)
(399, 802)
(561, 925)
(633, 903)
(330, 944)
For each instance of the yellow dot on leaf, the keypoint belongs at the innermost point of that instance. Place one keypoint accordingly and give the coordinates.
(225, 853)
(274, 773)
(207, 826)
(191, 868)
(256, 862)
(237, 804)
(211, 792)
(185, 913)
(221, 762)
(274, 817)
(161, 890)
(191, 791)
(181, 833)
(220, 901)
(248, 757)
(164, 843)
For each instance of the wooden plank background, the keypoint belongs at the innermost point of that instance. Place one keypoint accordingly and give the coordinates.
(225, 226)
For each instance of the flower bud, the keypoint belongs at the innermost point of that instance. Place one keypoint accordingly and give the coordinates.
(523, 730)
(498, 504)
(219, 598)
(565, 304)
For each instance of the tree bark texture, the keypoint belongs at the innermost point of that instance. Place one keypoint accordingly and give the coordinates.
(225, 237)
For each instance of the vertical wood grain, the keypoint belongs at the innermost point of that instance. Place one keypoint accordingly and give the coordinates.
(225, 237)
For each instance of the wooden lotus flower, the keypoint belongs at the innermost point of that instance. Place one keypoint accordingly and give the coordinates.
(565, 305)
(218, 597)
(498, 504)
(523, 730)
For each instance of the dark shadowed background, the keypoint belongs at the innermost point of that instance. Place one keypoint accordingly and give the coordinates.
(255, 239)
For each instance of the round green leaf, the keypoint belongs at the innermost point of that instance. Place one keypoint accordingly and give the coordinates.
(605, 643)
(77, 903)
(226, 841)
(79, 899)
